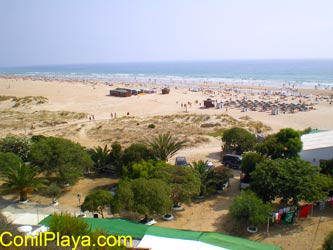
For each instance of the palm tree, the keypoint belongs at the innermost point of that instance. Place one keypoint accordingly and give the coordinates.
(201, 169)
(99, 156)
(22, 179)
(164, 146)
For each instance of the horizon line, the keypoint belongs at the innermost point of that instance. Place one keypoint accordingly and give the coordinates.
(168, 61)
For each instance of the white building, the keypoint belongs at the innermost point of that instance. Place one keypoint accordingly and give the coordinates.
(317, 147)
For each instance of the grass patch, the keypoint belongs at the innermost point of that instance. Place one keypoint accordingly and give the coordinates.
(258, 127)
(217, 133)
(33, 100)
(245, 118)
(210, 125)
(7, 98)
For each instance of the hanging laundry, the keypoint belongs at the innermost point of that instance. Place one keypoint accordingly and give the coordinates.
(278, 219)
(305, 211)
(289, 218)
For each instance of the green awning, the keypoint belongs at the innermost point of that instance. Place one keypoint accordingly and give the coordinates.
(136, 230)
(111, 226)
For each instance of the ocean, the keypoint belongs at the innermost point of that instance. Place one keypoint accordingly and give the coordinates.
(277, 73)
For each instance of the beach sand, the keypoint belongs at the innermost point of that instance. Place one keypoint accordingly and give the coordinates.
(169, 115)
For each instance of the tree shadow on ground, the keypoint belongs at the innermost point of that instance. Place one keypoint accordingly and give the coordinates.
(4, 202)
(215, 156)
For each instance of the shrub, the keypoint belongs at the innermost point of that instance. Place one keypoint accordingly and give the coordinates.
(328, 243)
(151, 126)
(247, 207)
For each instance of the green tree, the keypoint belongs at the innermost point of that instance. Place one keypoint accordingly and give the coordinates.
(67, 224)
(291, 180)
(164, 146)
(326, 167)
(9, 160)
(218, 177)
(212, 179)
(97, 201)
(19, 145)
(53, 191)
(100, 157)
(22, 179)
(184, 182)
(116, 157)
(68, 160)
(248, 208)
(201, 169)
(238, 139)
(328, 243)
(144, 196)
(249, 162)
(136, 153)
(142, 169)
(286, 143)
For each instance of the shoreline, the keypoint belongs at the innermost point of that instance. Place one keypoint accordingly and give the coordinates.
(199, 86)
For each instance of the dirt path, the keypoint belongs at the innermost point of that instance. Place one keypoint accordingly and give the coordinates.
(206, 214)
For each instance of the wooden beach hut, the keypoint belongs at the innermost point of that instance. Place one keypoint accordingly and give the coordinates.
(209, 103)
(165, 91)
(121, 92)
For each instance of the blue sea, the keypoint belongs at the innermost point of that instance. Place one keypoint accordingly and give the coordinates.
(296, 73)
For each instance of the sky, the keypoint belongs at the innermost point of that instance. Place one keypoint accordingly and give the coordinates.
(44, 32)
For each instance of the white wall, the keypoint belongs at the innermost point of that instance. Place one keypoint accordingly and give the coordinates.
(315, 155)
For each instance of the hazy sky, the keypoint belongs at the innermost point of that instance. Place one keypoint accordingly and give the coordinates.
(39, 32)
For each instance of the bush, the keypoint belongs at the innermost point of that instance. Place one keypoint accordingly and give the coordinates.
(238, 139)
(53, 191)
(328, 243)
(247, 207)
(19, 145)
(151, 126)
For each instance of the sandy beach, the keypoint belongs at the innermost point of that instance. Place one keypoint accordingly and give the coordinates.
(94, 99)
(91, 124)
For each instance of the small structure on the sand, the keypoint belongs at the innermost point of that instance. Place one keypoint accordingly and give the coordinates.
(165, 91)
(209, 103)
(121, 92)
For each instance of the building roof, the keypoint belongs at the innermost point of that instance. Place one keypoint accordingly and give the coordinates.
(163, 238)
(317, 140)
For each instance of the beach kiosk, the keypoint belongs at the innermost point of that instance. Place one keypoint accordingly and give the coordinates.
(121, 92)
(165, 91)
(209, 103)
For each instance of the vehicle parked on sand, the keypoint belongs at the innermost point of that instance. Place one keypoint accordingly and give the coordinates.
(181, 161)
(232, 161)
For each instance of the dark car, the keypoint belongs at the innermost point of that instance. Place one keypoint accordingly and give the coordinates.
(232, 161)
(181, 161)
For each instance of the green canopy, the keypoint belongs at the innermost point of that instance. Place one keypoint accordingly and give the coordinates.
(111, 226)
(136, 230)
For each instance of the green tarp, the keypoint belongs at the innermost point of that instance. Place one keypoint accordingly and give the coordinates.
(137, 230)
(112, 226)
(216, 239)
